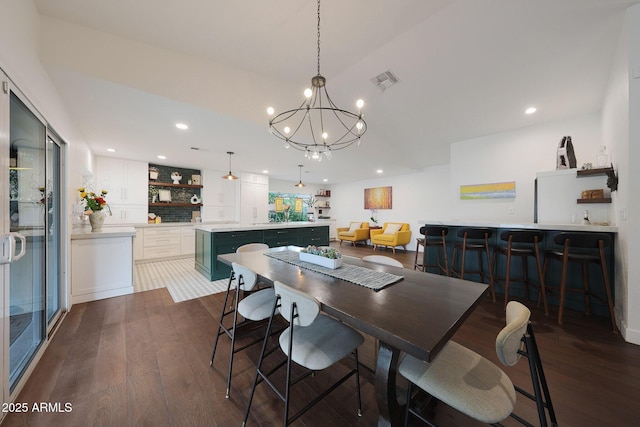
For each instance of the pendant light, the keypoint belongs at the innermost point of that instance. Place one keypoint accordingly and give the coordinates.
(230, 176)
(299, 184)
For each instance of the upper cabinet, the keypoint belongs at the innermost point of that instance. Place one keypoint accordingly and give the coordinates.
(125, 180)
(217, 191)
(254, 198)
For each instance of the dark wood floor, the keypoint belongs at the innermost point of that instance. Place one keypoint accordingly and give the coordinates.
(143, 360)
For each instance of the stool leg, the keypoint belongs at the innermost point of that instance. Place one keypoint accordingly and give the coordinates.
(464, 254)
(585, 285)
(563, 282)
(525, 276)
(480, 269)
(415, 260)
(446, 261)
(541, 275)
(507, 278)
(607, 287)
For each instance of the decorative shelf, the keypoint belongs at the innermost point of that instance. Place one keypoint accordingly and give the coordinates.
(169, 184)
(603, 200)
(597, 171)
(322, 195)
(175, 205)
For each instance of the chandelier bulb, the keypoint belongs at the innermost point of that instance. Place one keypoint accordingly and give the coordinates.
(325, 135)
(358, 142)
(359, 103)
(270, 111)
(287, 129)
(308, 92)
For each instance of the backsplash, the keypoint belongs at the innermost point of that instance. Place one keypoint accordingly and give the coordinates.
(178, 194)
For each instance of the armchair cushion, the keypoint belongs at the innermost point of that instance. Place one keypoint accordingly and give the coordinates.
(354, 226)
(392, 228)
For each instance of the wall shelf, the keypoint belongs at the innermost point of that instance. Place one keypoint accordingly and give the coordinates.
(169, 184)
(175, 205)
(591, 172)
(603, 200)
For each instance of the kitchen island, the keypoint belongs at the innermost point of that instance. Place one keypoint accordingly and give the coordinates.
(213, 240)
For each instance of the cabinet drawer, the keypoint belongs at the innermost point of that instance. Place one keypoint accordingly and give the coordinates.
(166, 240)
(310, 231)
(162, 231)
(238, 237)
(162, 251)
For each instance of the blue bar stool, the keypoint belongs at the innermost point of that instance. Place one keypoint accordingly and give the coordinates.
(475, 240)
(434, 236)
(520, 244)
(583, 249)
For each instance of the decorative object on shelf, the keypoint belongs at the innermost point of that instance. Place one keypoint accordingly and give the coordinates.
(195, 199)
(196, 180)
(585, 218)
(299, 184)
(94, 204)
(153, 173)
(176, 177)
(96, 219)
(322, 255)
(151, 218)
(612, 179)
(230, 176)
(318, 127)
(311, 202)
(164, 195)
(602, 159)
(566, 157)
(153, 192)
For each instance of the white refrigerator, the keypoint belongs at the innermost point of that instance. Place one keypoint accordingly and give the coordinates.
(557, 194)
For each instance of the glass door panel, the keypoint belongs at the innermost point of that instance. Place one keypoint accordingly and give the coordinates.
(51, 200)
(27, 208)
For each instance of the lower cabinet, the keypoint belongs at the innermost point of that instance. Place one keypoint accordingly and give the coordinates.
(158, 242)
(210, 244)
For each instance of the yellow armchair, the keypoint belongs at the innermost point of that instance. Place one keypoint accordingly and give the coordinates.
(356, 232)
(391, 234)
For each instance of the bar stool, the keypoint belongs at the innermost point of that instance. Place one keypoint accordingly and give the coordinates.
(476, 240)
(521, 244)
(433, 237)
(584, 249)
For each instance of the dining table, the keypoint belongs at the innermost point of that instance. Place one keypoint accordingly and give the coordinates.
(416, 314)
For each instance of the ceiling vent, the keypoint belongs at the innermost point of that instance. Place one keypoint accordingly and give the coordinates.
(385, 80)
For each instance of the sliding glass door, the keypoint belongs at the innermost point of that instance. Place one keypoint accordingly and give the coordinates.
(30, 221)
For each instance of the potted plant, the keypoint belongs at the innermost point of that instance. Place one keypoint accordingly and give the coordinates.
(322, 255)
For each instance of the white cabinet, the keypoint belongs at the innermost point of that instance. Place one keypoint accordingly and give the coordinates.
(218, 213)
(101, 264)
(218, 196)
(161, 242)
(127, 214)
(254, 198)
(187, 240)
(126, 180)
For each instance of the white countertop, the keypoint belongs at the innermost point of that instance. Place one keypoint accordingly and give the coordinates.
(215, 228)
(531, 226)
(106, 232)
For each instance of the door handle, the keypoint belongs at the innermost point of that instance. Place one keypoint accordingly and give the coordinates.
(8, 254)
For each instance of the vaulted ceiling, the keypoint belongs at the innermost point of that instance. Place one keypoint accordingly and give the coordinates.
(130, 70)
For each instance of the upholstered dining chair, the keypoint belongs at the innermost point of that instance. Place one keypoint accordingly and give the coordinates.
(250, 247)
(313, 341)
(254, 307)
(381, 259)
(473, 385)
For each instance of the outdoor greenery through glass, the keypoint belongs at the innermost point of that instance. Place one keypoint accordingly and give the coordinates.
(289, 199)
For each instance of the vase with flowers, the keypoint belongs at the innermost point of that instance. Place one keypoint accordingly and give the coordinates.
(94, 205)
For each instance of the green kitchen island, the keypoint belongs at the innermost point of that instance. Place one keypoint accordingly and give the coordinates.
(213, 240)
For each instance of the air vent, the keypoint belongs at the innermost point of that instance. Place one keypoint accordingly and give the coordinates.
(385, 80)
(195, 148)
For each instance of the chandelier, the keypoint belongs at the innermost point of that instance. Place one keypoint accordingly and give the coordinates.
(318, 126)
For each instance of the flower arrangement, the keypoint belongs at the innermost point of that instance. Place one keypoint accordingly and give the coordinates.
(323, 251)
(92, 202)
(373, 217)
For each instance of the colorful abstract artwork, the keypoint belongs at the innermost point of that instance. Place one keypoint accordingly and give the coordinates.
(378, 198)
(500, 190)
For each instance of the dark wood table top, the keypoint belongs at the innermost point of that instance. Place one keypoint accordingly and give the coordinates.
(417, 315)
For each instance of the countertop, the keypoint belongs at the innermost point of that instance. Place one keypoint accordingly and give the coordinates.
(215, 228)
(106, 232)
(530, 226)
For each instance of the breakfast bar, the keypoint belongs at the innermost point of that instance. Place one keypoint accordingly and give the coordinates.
(554, 270)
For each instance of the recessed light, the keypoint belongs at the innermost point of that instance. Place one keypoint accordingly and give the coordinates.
(111, 150)
(162, 157)
(182, 126)
(379, 171)
(325, 180)
(530, 110)
(265, 171)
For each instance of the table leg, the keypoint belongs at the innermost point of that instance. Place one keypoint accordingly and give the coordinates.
(391, 412)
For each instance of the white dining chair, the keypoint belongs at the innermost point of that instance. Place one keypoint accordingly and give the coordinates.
(254, 307)
(473, 385)
(312, 340)
(251, 247)
(381, 259)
